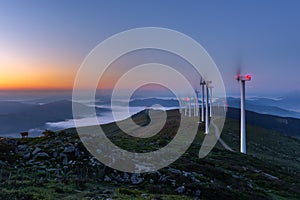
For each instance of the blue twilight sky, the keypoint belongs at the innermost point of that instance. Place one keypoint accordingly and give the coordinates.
(263, 36)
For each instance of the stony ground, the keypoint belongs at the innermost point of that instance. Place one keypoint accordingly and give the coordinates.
(57, 165)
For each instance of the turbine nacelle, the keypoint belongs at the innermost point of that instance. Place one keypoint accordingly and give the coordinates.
(202, 82)
(210, 86)
(247, 77)
(205, 82)
(208, 83)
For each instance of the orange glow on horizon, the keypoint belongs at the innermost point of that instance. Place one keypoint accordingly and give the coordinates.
(19, 73)
(36, 79)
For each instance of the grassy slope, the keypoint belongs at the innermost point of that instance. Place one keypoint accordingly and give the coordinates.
(271, 170)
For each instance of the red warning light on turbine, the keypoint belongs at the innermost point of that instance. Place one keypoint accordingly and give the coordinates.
(248, 77)
(186, 99)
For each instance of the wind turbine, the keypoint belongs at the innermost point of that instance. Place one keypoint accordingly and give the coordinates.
(207, 108)
(190, 106)
(196, 103)
(210, 99)
(186, 106)
(180, 105)
(202, 83)
(243, 80)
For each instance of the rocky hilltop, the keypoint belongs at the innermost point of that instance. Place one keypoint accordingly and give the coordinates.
(57, 165)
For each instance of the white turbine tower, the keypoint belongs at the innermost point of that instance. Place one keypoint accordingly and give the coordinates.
(207, 107)
(202, 83)
(210, 99)
(186, 106)
(180, 106)
(243, 79)
(190, 106)
(196, 103)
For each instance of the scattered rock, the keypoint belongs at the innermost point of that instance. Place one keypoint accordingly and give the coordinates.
(11, 142)
(180, 190)
(163, 178)
(69, 149)
(22, 147)
(106, 191)
(37, 149)
(65, 161)
(126, 177)
(269, 176)
(157, 198)
(195, 180)
(59, 141)
(145, 196)
(173, 182)
(175, 171)
(77, 153)
(107, 179)
(236, 177)
(30, 162)
(136, 179)
(118, 178)
(250, 185)
(186, 174)
(26, 155)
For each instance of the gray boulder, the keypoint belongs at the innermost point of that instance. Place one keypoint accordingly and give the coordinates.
(22, 147)
(69, 149)
(175, 171)
(136, 179)
(36, 150)
(26, 155)
(180, 189)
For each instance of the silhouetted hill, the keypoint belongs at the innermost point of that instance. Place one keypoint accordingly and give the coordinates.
(152, 101)
(264, 106)
(292, 99)
(8, 107)
(36, 116)
(285, 125)
(259, 105)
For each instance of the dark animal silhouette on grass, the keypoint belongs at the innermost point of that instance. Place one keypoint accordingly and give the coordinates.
(24, 134)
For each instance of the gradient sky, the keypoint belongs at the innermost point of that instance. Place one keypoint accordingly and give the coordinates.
(42, 43)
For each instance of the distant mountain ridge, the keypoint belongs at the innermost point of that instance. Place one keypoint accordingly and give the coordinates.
(8, 107)
(18, 116)
(269, 117)
(148, 102)
(36, 116)
(264, 106)
(286, 125)
(259, 105)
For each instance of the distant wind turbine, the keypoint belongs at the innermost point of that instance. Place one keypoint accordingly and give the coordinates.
(243, 79)
(196, 103)
(202, 83)
(210, 99)
(207, 107)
